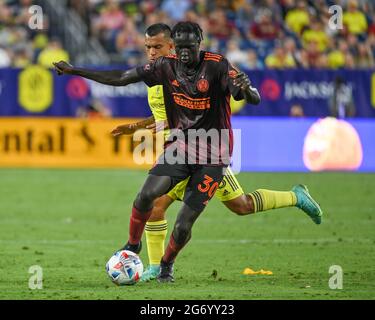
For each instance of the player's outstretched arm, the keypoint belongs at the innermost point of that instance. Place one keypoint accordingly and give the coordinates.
(250, 94)
(130, 128)
(149, 123)
(113, 78)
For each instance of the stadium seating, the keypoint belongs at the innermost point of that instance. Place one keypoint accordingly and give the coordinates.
(256, 25)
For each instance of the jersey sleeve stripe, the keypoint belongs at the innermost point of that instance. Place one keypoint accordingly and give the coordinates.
(211, 59)
(215, 56)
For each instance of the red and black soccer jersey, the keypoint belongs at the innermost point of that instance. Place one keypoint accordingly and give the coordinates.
(198, 99)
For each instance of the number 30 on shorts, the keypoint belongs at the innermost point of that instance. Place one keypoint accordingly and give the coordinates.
(208, 186)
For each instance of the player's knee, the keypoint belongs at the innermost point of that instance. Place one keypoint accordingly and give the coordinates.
(147, 195)
(144, 201)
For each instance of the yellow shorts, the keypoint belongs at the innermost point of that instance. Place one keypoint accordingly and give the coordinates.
(229, 188)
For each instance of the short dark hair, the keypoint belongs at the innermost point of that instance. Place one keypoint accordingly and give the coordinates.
(189, 27)
(157, 28)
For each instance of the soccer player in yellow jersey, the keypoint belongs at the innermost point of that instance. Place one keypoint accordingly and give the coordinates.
(158, 43)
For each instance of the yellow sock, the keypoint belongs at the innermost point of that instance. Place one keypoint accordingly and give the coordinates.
(268, 199)
(156, 232)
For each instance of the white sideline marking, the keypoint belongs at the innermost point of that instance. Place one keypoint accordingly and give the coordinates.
(200, 241)
(286, 241)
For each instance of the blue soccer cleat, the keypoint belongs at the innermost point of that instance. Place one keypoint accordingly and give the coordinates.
(306, 203)
(151, 272)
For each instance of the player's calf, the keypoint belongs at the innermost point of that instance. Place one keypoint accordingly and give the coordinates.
(242, 205)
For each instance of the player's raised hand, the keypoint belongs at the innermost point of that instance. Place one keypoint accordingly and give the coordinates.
(124, 129)
(63, 67)
(242, 80)
(250, 94)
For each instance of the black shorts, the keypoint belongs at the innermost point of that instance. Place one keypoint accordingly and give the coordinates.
(203, 183)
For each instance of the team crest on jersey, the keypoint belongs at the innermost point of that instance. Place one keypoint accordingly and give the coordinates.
(203, 85)
(147, 67)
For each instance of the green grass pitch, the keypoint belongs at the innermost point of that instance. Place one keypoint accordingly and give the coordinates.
(69, 222)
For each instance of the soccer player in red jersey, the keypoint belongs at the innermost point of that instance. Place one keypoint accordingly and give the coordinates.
(158, 42)
(197, 86)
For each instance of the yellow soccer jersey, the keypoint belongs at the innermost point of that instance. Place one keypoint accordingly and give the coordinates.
(236, 106)
(156, 102)
(229, 188)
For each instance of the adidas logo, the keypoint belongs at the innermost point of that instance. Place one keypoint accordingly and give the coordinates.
(175, 83)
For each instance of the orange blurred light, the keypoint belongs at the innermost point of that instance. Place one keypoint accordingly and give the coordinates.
(332, 144)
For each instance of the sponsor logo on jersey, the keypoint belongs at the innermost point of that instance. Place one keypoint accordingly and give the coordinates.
(191, 103)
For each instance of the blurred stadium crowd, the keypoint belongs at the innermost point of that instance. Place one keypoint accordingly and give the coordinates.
(253, 34)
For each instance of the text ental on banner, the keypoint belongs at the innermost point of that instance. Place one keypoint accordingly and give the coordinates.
(62, 142)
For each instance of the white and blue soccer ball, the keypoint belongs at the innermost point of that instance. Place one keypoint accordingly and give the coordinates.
(124, 268)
